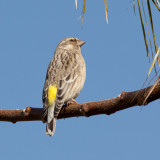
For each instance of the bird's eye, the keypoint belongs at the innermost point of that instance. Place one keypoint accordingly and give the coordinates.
(72, 40)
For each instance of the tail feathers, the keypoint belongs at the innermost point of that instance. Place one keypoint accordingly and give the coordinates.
(50, 128)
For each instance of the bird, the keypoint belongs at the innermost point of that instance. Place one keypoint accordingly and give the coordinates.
(65, 79)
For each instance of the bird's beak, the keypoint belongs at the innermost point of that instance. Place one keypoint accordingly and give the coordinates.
(80, 42)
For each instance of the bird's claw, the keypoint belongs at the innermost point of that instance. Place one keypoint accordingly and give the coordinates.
(72, 101)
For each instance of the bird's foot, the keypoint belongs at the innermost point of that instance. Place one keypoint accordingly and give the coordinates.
(72, 101)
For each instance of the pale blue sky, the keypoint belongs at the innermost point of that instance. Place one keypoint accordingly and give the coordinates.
(116, 61)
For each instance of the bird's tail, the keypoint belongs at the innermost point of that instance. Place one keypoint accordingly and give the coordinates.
(50, 128)
(51, 121)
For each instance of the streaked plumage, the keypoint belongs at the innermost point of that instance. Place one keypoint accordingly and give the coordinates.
(64, 80)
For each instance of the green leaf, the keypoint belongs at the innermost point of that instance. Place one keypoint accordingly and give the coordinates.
(151, 22)
(144, 34)
(148, 35)
(156, 4)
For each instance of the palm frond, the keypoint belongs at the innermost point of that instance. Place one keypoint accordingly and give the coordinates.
(84, 9)
(76, 3)
(105, 4)
(144, 34)
(154, 60)
(151, 22)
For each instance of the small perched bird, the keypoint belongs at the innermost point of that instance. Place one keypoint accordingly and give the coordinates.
(65, 78)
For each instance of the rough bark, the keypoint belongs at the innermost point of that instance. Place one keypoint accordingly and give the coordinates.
(123, 101)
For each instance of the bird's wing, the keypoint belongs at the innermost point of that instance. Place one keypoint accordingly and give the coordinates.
(66, 82)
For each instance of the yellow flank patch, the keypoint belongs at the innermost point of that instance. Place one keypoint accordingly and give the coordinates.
(52, 91)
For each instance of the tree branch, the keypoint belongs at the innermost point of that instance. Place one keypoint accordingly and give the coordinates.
(109, 106)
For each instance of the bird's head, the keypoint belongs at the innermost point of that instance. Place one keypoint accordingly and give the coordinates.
(71, 43)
